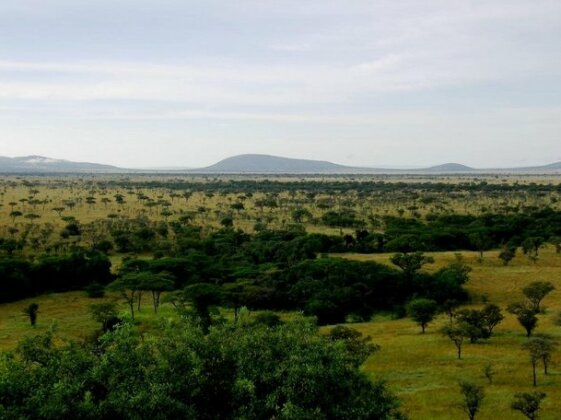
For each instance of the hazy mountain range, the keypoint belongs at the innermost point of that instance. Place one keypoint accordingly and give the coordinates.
(249, 163)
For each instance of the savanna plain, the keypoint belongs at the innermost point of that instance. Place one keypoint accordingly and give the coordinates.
(384, 256)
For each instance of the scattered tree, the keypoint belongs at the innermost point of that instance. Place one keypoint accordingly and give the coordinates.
(536, 291)
(31, 312)
(489, 372)
(528, 404)
(423, 311)
(457, 332)
(525, 315)
(473, 397)
(507, 254)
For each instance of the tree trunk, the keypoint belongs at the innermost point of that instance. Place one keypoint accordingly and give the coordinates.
(534, 373)
(131, 305)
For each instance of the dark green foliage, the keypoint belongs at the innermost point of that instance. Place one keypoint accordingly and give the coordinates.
(473, 397)
(481, 322)
(507, 254)
(358, 347)
(106, 314)
(526, 316)
(31, 312)
(22, 278)
(540, 348)
(536, 291)
(95, 290)
(232, 373)
(528, 403)
(422, 311)
(268, 318)
(411, 263)
(457, 332)
(202, 296)
(344, 218)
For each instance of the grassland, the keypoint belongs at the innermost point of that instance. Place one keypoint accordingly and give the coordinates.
(421, 369)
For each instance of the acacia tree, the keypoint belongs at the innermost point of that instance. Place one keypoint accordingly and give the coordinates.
(528, 403)
(129, 285)
(536, 291)
(457, 332)
(473, 397)
(157, 283)
(539, 349)
(423, 311)
(492, 316)
(411, 263)
(525, 315)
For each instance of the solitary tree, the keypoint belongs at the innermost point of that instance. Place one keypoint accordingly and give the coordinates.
(473, 397)
(507, 254)
(457, 332)
(525, 315)
(536, 291)
(528, 403)
(422, 311)
(481, 242)
(488, 372)
(31, 312)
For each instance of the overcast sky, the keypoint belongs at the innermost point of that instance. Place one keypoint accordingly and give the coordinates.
(151, 83)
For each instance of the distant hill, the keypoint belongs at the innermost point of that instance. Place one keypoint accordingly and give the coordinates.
(449, 168)
(551, 167)
(248, 164)
(42, 164)
(274, 164)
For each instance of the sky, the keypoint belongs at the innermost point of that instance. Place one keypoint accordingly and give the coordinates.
(182, 83)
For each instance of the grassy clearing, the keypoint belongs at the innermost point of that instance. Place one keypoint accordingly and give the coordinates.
(423, 370)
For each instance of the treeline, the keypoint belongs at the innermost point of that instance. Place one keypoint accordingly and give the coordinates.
(461, 232)
(392, 234)
(357, 183)
(21, 278)
(279, 270)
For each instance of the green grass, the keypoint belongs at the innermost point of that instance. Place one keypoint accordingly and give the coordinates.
(423, 369)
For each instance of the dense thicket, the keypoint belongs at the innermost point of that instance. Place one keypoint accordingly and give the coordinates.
(21, 278)
(234, 372)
